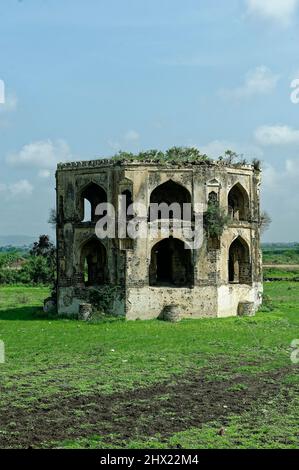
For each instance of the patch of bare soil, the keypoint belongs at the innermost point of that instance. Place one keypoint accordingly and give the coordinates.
(184, 401)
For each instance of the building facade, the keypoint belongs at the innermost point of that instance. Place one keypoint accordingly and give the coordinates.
(138, 278)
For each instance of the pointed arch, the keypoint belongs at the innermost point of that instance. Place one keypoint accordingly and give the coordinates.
(93, 262)
(94, 194)
(239, 265)
(169, 193)
(171, 264)
(238, 203)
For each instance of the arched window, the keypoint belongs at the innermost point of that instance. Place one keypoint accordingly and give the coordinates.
(239, 267)
(170, 194)
(93, 263)
(129, 200)
(213, 198)
(126, 243)
(87, 211)
(171, 264)
(238, 203)
(91, 196)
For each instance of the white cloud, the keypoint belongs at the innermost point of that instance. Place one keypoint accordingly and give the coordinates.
(43, 154)
(19, 188)
(292, 167)
(281, 11)
(270, 177)
(44, 173)
(283, 179)
(10, 103)
(276, 135)
(22, 187)
(132, 136)
(216, 148)
(280, 194)
(2, 92)
(260, 81)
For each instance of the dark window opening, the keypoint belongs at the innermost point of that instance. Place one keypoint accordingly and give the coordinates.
(126, 243)
(239, 266)
(170, 193)
(129, 200)
(93, 263)
(171, 264)
(238, 203)
(90, 198)
(213, 198)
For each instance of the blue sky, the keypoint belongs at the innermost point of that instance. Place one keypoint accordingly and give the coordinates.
(84, 79)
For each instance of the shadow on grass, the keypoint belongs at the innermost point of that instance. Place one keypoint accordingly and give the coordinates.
(37, 313)
(25, 313)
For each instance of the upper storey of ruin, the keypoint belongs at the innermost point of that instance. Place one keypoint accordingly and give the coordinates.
(173, 158)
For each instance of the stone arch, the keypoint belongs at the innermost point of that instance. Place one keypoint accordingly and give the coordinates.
(93, 262)
(94, 194)
(239, 265)
(171, 264)
(214, 182)
(238, 203)
(169, 193)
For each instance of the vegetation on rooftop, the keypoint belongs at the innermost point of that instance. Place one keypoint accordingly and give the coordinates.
(185, 155)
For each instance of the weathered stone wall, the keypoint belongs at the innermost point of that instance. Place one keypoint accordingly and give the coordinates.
(148, 302)
(128, 270)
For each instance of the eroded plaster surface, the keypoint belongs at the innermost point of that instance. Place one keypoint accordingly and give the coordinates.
(123, 276)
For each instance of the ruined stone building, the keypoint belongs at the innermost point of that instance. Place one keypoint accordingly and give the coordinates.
(139, 278)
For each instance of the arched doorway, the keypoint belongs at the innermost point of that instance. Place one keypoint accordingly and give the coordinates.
(171, 264)
(238, 203)
(93, 263)
(239, 267)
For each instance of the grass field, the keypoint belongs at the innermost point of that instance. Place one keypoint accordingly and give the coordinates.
(216, 383)
(282, 255)
(281, 272)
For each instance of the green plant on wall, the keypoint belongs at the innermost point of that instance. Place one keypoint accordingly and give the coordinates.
(215, 220)
(102, 297)
(181, 155)
(174, 154)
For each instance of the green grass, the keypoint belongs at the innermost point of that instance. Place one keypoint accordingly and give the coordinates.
(277, 273)
(52, 359)
(281, 256)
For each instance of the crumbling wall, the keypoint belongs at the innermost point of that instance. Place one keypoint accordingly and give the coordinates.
(128, 261)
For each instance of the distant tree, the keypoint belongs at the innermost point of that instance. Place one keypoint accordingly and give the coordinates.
(43, 247)
(265, 221)
(37, 271)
